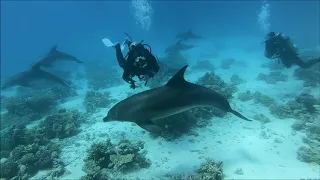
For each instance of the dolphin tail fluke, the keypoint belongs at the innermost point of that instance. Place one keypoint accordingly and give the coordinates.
(239, 115)
(78, 61)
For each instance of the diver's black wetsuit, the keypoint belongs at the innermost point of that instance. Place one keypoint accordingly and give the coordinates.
(135, 66)
(279, 46)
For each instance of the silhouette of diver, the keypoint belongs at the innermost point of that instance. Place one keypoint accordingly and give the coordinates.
(278, 46)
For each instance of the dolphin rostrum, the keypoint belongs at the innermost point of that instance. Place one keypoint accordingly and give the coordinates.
(177, 96)
(187, 35)
(178, 47)
(55, 55)
(26, 77)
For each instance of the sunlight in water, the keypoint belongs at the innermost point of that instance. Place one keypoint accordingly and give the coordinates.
(263, 17)
(142, 13)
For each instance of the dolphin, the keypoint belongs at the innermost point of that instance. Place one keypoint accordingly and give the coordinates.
(187, 35)
(178, 47)
(26, 77)
(55, 55)
(177, 96)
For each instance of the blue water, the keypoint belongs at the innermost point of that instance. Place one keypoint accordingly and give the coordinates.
(231, 30)
(29, 29)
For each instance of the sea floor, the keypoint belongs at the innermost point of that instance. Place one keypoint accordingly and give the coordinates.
(241, 145)
(259, 151)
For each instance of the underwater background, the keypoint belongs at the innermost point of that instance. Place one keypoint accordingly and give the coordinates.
(52, 132)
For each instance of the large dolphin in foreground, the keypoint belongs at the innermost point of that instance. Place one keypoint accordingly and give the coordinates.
(55, 55)
(25, 78)
(177, 96)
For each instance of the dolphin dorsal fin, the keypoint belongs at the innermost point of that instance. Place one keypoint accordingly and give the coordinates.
(178, 79)
(53, 49)
(179, 42)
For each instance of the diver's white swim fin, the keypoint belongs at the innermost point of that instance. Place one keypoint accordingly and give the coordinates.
(107, 42)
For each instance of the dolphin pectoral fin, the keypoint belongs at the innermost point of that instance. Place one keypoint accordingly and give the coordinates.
(150, 126)
(25, 84)
(79, 62)
(48, 65)
(239, 115)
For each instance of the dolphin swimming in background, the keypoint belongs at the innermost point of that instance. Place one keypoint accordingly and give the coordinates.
(178, 47)
(187, 35)
(177, 96)
(26, 77)
(55, 55)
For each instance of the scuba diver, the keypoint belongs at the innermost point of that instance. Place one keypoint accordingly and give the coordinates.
(139, 61)
(278, 46)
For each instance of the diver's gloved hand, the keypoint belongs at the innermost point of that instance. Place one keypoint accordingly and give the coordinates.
(132, 86)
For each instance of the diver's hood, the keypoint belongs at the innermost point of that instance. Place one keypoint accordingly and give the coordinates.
(132, 45)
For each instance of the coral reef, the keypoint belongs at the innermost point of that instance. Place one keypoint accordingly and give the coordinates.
(214, 82)
(23, 109)
(33, 105)
(59, 92)
(236, 80)
(308, 101)
(273, 77)
(245, 96)
(225, 64)
(30, 152)
(264, 99)
(301, 108)
(95, 100)
(14, 136)
(310, 76)
(262, 118)
(106, 160)
(26, 151)
(204, 65)
(311, 152)
(102, 77)
(26, 160)
(61, 124)
(210, 170)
